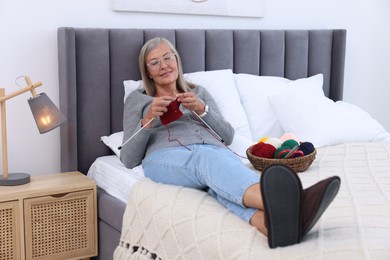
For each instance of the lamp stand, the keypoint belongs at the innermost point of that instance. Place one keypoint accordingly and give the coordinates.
(12, 179)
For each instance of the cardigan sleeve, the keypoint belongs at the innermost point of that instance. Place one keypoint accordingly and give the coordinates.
(133, 151)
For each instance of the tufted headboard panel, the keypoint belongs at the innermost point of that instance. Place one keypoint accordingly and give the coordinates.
(93, 62)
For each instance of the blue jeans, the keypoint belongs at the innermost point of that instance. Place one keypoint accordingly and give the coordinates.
(210, 167)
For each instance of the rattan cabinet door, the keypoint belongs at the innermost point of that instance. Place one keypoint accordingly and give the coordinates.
(60, 226)
(10, 243)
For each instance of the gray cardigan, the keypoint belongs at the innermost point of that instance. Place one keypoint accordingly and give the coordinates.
(188, 129)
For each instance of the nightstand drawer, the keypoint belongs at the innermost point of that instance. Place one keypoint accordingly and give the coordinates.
(60, 226)
(9, 230)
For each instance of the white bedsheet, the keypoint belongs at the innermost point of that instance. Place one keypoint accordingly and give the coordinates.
(111, 175)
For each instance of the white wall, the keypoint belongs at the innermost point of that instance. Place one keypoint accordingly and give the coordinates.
(28, 46)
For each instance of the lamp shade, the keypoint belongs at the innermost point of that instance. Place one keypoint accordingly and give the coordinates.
(46, 114)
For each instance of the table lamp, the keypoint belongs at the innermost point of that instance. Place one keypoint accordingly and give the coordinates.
(46, 115)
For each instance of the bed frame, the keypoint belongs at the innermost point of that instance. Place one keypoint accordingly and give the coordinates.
(93, 62)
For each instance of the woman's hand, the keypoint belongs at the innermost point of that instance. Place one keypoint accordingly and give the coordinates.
(190, 101)
(157, 108)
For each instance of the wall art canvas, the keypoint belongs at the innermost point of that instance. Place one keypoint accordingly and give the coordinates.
(243, 8)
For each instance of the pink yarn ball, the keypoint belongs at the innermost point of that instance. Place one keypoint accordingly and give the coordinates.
(288, 136)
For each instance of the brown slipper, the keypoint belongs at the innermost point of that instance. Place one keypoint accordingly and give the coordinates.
(316, 200)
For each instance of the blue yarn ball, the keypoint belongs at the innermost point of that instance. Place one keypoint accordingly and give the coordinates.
(306, 148)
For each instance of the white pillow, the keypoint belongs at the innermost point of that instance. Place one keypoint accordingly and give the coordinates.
(130, 86)
(221, 86)
(112, 175)
(323, 122)
(113, 141)
(254, 91)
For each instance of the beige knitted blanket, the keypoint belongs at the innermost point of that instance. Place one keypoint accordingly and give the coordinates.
(169, 222)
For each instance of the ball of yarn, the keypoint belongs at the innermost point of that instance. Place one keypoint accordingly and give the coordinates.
(281, 152)
(262, 140)
(275, 142)
(288, 136)
(306, 148)
(263, 150)
(291, 143)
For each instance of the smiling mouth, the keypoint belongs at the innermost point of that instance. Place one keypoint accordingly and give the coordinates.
(165, 73)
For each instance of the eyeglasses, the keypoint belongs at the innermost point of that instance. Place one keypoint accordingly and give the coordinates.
(155, 64)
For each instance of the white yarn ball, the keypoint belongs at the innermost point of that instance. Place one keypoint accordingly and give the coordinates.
(275, 142)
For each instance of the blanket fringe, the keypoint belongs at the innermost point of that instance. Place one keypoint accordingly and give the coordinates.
(126, 251)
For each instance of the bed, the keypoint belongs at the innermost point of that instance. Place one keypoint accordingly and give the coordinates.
(140, 219)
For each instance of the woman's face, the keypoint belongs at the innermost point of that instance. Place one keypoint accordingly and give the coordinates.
(161, 64)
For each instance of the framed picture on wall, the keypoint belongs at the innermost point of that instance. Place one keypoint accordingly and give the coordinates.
(243, 8)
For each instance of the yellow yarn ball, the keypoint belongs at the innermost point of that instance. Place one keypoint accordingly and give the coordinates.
(262, 140)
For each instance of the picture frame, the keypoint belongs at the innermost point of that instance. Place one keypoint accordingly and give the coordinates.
(243, 8)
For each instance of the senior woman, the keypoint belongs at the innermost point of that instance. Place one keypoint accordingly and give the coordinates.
(191, 151)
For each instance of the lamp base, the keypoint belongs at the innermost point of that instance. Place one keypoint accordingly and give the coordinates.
(15, 179)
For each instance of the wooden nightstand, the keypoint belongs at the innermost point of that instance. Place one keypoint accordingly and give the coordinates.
(52, 217)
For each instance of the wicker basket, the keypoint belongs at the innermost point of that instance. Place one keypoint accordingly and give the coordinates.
(299, 164)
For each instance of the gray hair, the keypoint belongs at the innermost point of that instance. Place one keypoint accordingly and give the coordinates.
(182, 85)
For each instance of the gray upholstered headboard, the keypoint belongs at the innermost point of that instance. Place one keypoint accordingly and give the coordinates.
(93, 62)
